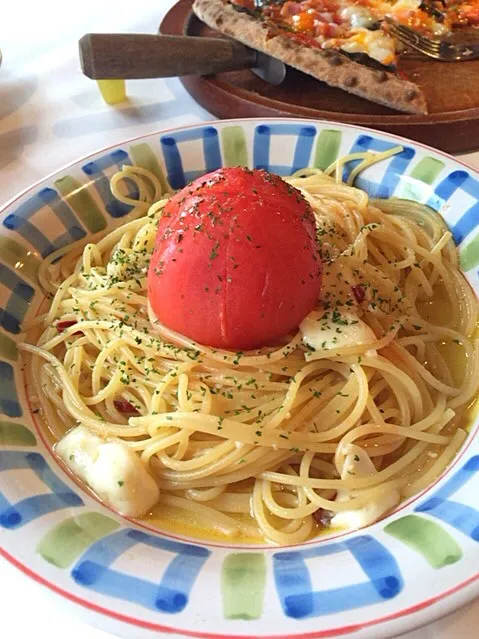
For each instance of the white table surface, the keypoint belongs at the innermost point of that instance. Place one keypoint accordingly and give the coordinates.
(50, 114)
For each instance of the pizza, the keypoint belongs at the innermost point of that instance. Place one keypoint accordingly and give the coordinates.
(345, 43)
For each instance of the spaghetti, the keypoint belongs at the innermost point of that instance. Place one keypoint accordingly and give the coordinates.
(360, 408)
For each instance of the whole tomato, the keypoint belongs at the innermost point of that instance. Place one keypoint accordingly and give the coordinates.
(236, 262)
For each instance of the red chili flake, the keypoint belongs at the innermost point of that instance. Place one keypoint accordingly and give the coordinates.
(359, 293)
(323, 517)
(64, 324)
(126, 407)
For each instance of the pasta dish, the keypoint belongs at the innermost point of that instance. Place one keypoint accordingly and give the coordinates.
(330, 425)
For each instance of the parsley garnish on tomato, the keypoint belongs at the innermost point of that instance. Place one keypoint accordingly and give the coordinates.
(247, 269)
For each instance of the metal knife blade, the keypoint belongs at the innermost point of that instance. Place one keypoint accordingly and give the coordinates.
(109, 56)
(269, 69)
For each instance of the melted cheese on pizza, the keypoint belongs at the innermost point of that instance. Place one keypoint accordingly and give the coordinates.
(358, 27)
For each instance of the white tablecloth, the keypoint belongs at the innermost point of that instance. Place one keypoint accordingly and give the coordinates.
(50, 114)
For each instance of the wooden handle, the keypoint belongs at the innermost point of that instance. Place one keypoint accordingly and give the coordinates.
(130, 56)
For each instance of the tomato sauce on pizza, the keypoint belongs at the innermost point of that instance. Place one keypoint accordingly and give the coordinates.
(359, 27)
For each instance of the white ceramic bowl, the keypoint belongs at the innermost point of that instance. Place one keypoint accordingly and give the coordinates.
(419, 563)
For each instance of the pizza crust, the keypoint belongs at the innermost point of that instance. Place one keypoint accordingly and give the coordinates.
(329, 66)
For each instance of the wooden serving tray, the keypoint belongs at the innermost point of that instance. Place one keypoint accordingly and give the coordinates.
(451, 89)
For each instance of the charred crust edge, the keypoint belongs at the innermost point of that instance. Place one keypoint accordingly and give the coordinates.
(382, 76)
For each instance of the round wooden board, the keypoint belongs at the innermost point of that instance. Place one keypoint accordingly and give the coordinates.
(452, 92)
